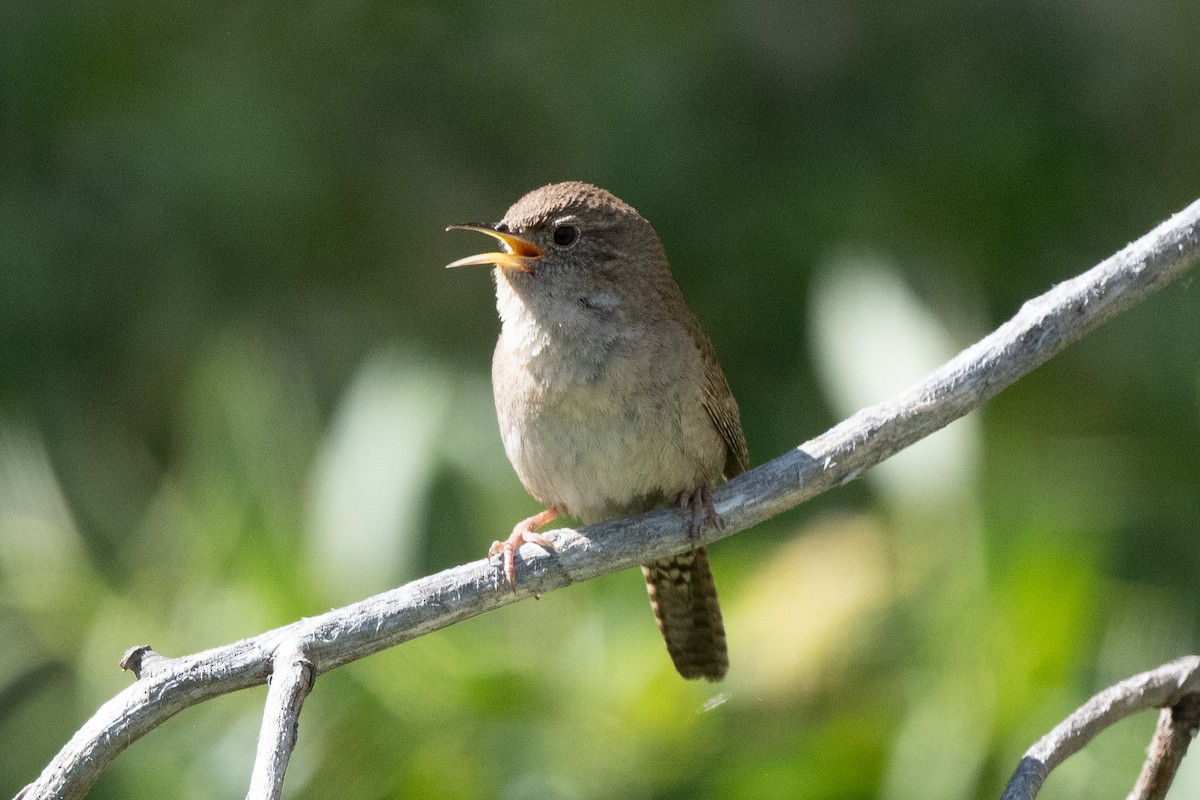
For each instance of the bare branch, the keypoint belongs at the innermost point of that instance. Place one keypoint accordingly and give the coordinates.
(1159, 688)
(1176, 727)
(1042, 328)
(291, 680)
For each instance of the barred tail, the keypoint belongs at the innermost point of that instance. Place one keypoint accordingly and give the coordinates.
(684, 599)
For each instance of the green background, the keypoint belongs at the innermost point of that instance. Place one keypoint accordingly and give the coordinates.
(237, 387)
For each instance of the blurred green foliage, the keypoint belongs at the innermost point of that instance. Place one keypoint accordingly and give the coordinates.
(236, 386)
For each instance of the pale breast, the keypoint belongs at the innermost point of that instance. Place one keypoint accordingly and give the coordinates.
(608, 435)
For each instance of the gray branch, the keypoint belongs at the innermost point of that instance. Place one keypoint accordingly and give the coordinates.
(1040, 329)
(1163, 687)
(292, 679)
(1172, 735)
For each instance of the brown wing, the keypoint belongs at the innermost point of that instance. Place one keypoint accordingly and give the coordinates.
(718, 398)
(720, 405)
(723, 410)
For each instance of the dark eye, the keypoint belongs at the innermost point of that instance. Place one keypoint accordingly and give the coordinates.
(565, 235)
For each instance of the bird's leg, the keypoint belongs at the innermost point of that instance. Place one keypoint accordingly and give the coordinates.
(697, 507)
(525, 531)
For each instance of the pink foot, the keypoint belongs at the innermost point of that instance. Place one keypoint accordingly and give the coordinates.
(525, 531)
(697, 507)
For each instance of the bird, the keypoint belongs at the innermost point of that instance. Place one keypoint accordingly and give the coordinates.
(609, 395)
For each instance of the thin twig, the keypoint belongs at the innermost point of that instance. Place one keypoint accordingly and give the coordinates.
(291, 680)
(1159, 688)
(1042, 328)
(1176, 727)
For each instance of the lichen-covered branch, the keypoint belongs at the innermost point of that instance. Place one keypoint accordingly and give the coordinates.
(1039, 330)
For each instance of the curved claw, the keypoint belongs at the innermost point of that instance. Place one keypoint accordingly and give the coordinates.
(697, 507)
(525, 531)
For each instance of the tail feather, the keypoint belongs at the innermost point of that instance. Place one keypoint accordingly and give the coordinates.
(684, 598)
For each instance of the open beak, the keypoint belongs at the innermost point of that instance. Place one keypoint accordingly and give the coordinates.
(519, 253)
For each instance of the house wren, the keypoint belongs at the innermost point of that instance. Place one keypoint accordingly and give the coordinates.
(609, 394)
